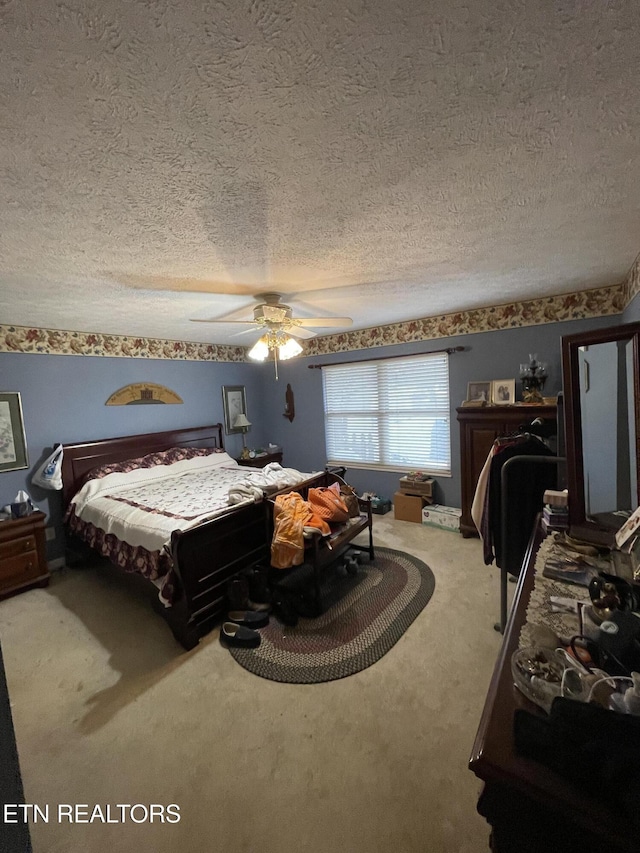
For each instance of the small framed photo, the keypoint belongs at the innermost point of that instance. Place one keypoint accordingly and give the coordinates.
(503, 392)
(13, 442)
(479, 392)
(234, 403)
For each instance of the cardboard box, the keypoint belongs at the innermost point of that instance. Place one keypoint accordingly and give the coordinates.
(411, 486)
(407, 507)
(446, 517)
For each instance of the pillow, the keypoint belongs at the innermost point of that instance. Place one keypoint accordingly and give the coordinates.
(162, 457)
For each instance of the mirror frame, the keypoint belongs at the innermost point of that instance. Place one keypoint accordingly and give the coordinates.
(581, 527)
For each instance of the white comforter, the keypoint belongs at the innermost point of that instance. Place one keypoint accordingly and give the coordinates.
(268, 479)
(143, 507)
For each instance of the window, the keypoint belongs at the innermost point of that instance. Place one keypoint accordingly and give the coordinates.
(389, 413)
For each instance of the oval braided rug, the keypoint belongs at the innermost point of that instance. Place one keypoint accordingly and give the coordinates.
(364, 616)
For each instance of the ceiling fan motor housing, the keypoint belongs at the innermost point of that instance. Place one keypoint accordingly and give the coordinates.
(272, 314)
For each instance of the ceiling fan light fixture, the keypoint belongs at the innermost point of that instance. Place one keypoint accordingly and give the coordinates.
(260, 350)
(290, 349)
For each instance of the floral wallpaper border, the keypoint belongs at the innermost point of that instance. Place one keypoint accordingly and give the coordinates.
(599, 302)
(53, 342)
(633, 282)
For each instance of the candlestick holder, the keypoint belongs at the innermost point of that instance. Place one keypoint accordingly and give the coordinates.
(533, 376)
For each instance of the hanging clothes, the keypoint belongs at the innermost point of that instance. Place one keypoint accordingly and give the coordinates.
(480, 504)
(507, 537)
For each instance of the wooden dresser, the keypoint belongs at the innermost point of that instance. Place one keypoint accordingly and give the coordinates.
(479, 428)
(23, 562)
(530, 808)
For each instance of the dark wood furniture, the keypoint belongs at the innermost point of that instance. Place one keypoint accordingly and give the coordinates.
(23, 561)
(530, 808)
(323, 553)
(261, 460)
(601, 376)
(79, 459)
(479, 428)
(204, 557)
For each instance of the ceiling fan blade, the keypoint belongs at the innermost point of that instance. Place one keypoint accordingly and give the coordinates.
(297, 332)
(223, 322)
(243, 332)
(329, 322)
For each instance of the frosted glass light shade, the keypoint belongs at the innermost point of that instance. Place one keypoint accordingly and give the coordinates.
(259, 351)
(289, 349)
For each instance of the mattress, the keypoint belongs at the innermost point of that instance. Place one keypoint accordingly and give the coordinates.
(130, 512)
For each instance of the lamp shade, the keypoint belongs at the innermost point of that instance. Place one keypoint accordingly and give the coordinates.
(289, 349)
(241, 421)
(260, 349)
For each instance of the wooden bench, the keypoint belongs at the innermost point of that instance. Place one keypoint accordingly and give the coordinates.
(322, 552)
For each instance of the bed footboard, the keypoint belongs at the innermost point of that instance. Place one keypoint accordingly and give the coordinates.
(206, 557)
(204, 560)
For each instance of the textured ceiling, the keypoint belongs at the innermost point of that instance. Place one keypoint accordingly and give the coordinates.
(385, 160)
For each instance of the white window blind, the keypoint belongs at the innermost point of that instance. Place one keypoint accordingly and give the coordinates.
(391, 413)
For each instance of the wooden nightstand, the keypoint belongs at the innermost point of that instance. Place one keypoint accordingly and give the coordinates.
(262, 460)
(23, 562)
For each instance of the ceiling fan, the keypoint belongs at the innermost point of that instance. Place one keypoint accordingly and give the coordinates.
(280, 328)
(270, 312)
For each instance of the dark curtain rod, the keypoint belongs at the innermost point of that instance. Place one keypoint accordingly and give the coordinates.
(449, 351)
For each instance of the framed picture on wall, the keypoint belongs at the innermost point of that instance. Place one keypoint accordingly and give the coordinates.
(234, 403)
(503, 392)
(13, 442)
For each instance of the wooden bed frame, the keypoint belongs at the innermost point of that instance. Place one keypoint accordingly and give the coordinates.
(204, 557)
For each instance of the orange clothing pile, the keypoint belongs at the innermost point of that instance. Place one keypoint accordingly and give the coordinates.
(291, 515)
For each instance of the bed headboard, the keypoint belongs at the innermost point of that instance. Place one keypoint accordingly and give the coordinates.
(79, 459)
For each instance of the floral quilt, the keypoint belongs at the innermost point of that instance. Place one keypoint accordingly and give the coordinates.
(128, 514)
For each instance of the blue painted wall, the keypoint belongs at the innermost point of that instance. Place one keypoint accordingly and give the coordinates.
(488, 355)
(632, 311)
(63, 399)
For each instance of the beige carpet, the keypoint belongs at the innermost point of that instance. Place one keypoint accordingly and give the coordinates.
(109, 710)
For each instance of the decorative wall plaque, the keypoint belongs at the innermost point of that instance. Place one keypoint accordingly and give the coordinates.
(289, 404)
(142, 393)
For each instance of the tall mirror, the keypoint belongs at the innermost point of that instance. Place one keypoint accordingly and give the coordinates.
(601, 371)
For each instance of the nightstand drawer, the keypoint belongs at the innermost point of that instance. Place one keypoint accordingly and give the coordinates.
(19, 568)
(17, 546)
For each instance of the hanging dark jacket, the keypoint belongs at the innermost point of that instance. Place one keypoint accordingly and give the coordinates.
(527, 483)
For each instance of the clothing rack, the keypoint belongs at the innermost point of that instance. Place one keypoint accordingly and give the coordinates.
(506, 485)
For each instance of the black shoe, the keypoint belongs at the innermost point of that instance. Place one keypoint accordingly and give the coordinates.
(248, 618)
(238, 594)
(259, 590)
(284, 612)
(237, 635)
(306, 606)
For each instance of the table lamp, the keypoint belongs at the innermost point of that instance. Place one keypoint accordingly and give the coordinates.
(243, 424)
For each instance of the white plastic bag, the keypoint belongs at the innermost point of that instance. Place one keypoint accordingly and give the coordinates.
(49, 474)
